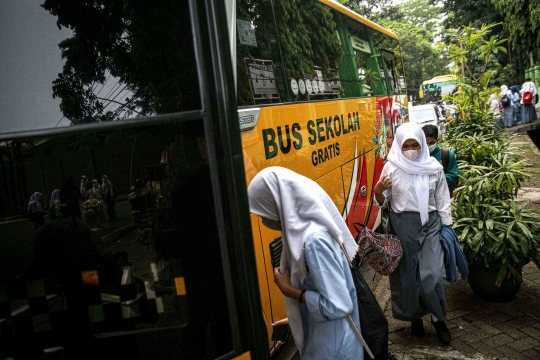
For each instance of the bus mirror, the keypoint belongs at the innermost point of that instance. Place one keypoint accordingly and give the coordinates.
(421, 94)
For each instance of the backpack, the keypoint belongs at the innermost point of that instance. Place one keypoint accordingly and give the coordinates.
(527, 98)
(445, 159)
(382, 252)
(505, 100)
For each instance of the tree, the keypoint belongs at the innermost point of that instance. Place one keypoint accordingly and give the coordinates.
(422, 13)
(139, 43)
(370, 8)
(522, 27)
(420, 58)
(476, 53)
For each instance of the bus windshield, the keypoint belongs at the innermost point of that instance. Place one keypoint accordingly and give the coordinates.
(437, 87)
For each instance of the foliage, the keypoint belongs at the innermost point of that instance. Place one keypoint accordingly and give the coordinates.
(492, 228)
(421, 59)
(137, 43)
(522, 26)
(369, 8)
(304, 39)
(421, 13)
(472, 49)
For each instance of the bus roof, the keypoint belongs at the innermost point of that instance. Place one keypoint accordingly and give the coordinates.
(345, 10)
(441, 78)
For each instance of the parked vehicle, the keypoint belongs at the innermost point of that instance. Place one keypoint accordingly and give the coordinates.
(428, 114)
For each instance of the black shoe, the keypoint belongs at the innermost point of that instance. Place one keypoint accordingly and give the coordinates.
(443, 334)
(417, 328)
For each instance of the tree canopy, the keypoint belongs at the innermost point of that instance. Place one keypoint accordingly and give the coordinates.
(421, 59)
(141, 44)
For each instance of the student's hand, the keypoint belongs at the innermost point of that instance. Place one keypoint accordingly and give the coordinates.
(281, 322)
(383, 184)
(283, 281)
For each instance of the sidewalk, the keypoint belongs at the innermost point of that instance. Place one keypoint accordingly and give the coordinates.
(480, 330)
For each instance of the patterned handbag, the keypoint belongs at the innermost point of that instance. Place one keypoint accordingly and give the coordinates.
(382, 252)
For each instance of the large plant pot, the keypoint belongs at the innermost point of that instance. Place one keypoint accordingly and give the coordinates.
(482, 282)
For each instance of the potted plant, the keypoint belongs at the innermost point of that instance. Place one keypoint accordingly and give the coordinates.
(498, 236)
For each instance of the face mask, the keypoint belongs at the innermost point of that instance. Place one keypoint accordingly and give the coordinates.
(411, 154)
(272, 224)
(432, 148)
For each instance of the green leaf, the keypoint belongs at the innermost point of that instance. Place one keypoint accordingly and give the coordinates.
(514, 272)
(501, 275)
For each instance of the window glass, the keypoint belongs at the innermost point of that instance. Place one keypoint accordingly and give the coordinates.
(286, 52)
(70, 62)
(112, 232)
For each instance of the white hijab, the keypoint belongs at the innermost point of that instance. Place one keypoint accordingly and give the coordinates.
(55, 197)
(505, 90)
(302, 207)
(33, 203)
(421, 167)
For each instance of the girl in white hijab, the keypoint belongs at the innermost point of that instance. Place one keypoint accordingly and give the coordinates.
(505, 97)
(413, 184)
(314, 274)
(34, 210)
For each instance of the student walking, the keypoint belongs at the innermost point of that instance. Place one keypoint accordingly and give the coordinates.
(505, 97)
(314, 275)
(444, 156)
(35, 213)
(516, 97)
(109, 196)
(414, 186)
(528, 96)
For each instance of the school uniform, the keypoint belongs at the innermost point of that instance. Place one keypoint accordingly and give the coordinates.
(420, 204)
(316, 262)
(528, 112)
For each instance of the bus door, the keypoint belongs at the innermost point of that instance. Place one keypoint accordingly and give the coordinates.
(124, 218)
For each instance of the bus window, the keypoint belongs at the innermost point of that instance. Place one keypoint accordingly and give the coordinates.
(284, 55)
(125, 234)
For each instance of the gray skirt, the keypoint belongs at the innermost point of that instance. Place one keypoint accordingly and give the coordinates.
(418, 285)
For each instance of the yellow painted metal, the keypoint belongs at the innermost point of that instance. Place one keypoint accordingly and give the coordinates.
(344, 10)
(441, 78)
(244, 356)
(265, 291)
(313, 122)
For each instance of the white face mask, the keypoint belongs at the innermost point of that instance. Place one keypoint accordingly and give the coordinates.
(411, 154)
(271, 224)
(432, 148)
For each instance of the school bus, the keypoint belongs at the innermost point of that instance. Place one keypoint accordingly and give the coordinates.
(172, 265)
(331, 123)
(433, 89)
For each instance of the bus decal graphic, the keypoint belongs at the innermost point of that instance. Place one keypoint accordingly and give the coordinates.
(352, 186)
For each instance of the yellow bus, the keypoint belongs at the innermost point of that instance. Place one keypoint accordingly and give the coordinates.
(331, 122)
(172, 110)
(433, 89)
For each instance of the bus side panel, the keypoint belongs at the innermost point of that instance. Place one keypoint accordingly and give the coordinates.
(360, 198)
(277, 305)
(309, 138)
(264, 290)
(332, 183)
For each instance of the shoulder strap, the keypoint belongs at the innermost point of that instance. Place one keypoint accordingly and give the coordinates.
(445, 158)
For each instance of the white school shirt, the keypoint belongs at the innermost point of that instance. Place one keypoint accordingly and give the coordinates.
(402, 194)
(528, 87)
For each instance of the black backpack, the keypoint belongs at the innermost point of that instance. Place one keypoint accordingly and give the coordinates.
(505, 100)
(445, 159)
